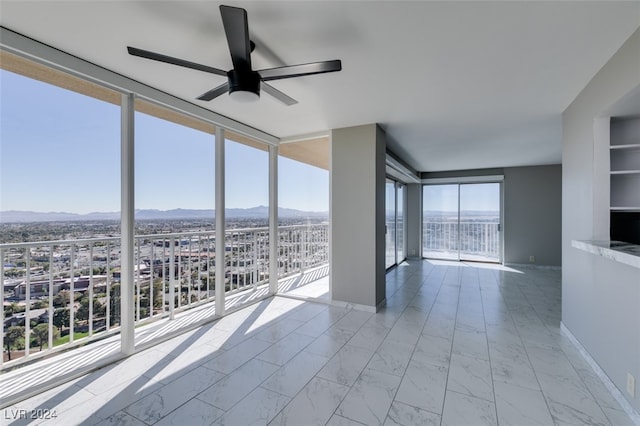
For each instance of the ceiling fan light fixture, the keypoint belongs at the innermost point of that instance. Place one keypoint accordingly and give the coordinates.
(244, 96)
(244, 85)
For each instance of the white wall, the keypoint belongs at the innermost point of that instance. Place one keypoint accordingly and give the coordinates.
(600, 297)
(532, 215)
(532, 211)
(414, 221)
(357, 215)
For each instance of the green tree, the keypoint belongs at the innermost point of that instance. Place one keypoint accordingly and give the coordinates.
(41, 333)
(61, 318)
(61, 299)
(83, 309)
(99, 308)
(40, 304)
(114, 304)
(12, 273)
(157, 294)
(13, 308)
(13, 338)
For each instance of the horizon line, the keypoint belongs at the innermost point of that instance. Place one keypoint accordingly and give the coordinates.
(157, 210)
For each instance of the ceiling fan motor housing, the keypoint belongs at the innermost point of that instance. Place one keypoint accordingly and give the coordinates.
(244, 81)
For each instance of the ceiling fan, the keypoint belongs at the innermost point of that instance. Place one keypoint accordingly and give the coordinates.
(243, 82)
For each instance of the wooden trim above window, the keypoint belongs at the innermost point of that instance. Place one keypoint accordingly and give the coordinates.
(167, 114)
(236, 137)
(312, 151)
(36, 71)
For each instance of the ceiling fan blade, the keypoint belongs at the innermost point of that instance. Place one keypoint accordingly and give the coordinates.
(300, 70)
(214, 93)
(236, 27)
(175, 61)
(282, 97)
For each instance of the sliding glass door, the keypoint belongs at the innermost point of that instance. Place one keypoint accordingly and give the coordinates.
(390, 223)
(394, 223)
(440, 221)
(400, 197)
(480, 222)
(462, 221)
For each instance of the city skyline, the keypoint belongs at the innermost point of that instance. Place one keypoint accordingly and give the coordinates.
(70, 145)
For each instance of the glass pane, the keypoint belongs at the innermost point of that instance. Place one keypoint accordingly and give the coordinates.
(390, 223)
(440, 221)
(303, 220)
(59, 152)
(479, 221)
(400, 223)
(175, 200)
(247, 214)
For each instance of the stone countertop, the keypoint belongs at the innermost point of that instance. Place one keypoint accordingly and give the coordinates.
(626, 253)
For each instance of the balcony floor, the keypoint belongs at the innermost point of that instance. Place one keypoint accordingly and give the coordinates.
(312, 286)
(456, 344)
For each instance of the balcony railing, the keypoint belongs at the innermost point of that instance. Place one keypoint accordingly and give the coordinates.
(473, 240)
(61, 293)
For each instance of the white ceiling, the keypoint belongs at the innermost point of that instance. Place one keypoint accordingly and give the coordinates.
(456, 85)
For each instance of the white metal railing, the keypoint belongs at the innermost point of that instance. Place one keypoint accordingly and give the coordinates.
(302, 247)
(476, 239)
(73, 286)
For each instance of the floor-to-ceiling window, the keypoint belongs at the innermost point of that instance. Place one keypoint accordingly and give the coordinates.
(390, 223)
(247, 212)
(400, 222)
(394, 222)
(59, 181)
(461, 221)
(63, 176)
(303, 199)
(480, 222)
(440, 221)
(174, 199)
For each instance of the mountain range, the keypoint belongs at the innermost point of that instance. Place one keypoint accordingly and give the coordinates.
(17, 216)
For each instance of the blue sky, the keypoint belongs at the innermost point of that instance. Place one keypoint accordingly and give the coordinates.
(60, 151)
(477, 197)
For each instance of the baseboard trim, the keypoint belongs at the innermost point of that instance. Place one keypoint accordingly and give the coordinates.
(359, 307)
(533, 266)
(612, 388)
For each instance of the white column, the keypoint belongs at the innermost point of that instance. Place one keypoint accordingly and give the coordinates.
(127, 207)
(358, 216)
(273, 219)
(220, 219)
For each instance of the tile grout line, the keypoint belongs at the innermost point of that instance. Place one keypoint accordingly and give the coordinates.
(419, 337)
(452, 342)
(486, 336)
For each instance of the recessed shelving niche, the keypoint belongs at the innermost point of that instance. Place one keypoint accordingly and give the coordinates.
(625, 179)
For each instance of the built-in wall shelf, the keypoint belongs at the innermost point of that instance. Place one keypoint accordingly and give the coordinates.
(625, 209)
(624, 168)
(624, 159)
(624, 172)
(627, 146)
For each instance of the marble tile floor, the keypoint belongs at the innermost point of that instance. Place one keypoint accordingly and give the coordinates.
(312, 285)
(457, 344)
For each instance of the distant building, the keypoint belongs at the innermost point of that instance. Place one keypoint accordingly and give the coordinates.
(37, 288)
(40, 288)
